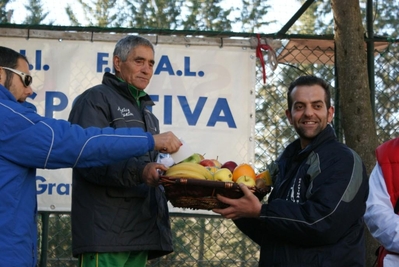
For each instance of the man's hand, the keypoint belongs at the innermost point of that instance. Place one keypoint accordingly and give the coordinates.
(246, 206)
(166, 142)
(151, 173)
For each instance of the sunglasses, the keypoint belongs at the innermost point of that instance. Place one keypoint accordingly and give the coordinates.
(26, 78)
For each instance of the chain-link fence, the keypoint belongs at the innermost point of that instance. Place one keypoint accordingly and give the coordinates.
(201, 240)
(386, 96)
(198, 241)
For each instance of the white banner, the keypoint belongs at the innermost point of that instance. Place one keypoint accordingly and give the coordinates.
(204, 94)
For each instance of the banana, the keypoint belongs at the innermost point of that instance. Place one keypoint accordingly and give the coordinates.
(189, 168)
(195, 167)
(186, 174)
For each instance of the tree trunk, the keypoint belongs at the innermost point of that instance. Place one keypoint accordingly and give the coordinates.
(357, 117)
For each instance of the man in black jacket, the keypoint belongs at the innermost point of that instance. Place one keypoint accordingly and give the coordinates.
(119, 213)
(314, 214)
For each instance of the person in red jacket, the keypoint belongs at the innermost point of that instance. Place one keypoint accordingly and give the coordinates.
(381, 215)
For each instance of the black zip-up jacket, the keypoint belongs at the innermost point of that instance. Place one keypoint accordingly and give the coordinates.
(314, 215)
(112, 210)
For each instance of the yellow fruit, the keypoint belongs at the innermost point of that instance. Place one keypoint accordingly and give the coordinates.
(223, 175)
(247, 180)
(212, 169)
(189, 170)
(185, 174)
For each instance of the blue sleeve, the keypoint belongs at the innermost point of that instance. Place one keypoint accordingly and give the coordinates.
(93, 108)
(37, 142)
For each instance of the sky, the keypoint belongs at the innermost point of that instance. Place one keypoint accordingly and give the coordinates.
(282, 11)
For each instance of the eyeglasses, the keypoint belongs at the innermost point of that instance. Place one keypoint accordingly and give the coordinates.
(26, 78)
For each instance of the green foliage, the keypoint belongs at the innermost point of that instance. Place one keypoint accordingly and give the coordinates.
(253, 15)
(100, 13)
(158, 14)
(385, 17)
(183, 15)
(72, 17)
(317, 19)
(5, 17)
(196, 15)
(36, 13)
(207, 15)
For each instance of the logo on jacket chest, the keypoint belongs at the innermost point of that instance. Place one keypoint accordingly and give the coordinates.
(294, 194)
(125, 112)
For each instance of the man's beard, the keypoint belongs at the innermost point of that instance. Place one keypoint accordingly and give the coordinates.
(7, 83)
(303, 134)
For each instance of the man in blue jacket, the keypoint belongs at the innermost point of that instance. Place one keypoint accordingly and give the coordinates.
(314, 214)
(29, 141)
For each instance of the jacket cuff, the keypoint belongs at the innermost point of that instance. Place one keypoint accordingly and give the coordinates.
(151, 142)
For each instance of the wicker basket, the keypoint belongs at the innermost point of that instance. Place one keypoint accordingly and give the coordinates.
(201, 194)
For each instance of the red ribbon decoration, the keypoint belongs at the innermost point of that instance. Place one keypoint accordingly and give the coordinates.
(259, 55)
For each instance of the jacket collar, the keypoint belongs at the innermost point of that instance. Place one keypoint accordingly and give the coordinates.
(5, 94)
(294, 149)
(112, 81)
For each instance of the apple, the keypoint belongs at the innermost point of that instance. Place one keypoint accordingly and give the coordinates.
(223, 175)
(217, 163)
(212, 169)
(231, 165)
(195, 158)
(247, 180)
(207, 163)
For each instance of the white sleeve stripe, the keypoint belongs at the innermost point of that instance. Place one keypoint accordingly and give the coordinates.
(104, 135)
(52, 137)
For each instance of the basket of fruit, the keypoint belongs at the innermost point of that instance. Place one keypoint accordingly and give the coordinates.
(195, 186)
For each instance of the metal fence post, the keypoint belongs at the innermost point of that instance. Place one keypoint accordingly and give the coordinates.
(44, 245)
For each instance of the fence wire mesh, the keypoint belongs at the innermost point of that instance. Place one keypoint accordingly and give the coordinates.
(210, 240)
(198, 241)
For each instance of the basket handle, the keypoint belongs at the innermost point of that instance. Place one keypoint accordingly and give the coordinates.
(199, 182)
(216, 184)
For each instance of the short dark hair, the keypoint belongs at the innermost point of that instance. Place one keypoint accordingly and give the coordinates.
(309, 80)
(9, 58)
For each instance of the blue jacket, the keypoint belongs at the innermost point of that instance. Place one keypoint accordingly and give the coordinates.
(314, 215)
(29, 141)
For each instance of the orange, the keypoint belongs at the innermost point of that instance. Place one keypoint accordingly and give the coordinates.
(243, 169)
(265, 175)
